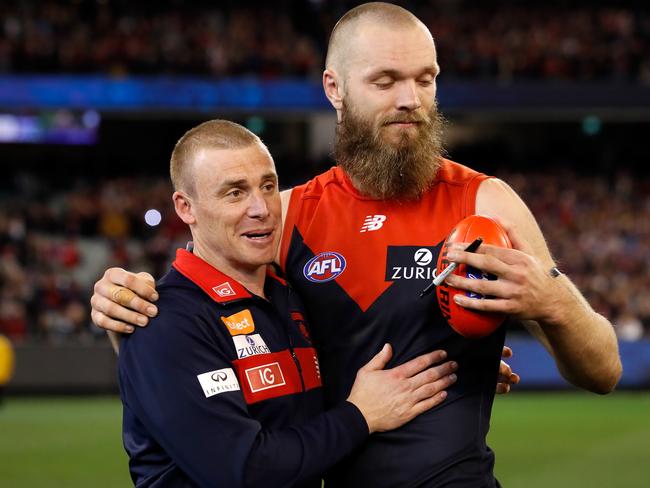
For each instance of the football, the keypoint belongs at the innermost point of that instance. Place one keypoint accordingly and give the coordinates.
(470, 323)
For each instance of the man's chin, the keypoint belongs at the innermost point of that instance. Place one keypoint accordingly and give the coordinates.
(399, 137)
(402, 126)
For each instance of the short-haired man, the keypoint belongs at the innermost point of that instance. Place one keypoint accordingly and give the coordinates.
(381, 79)
(225, 388)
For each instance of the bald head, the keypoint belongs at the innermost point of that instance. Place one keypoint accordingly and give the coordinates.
(340, 50)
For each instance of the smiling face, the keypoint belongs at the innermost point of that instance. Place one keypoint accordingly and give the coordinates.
(234, 212)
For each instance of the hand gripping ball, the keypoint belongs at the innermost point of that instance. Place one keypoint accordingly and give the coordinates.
(470, 323)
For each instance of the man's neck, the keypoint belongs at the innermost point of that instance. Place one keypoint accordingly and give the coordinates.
(253, 280)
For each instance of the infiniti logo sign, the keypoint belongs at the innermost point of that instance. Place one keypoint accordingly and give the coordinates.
(219, 381)
(219, 376)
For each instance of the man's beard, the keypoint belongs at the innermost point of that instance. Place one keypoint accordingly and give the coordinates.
(385, 170)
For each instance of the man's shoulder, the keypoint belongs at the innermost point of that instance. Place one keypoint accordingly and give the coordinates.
(184, 314)
(315, 186)
(451, 172)
(177, 292)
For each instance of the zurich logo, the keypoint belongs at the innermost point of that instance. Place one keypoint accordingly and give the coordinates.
(324, 267)
(423, 257)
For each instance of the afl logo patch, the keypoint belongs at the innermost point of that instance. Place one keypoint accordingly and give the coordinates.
(324, 267)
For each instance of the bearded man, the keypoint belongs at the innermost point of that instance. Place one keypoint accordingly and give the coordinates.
(351, 234)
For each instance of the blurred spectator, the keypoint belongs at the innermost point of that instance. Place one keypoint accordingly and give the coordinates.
(628, 326)
(13, 318)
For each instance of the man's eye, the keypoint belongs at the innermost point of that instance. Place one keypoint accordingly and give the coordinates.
(269, 187)
(235, 193)
(383, 83)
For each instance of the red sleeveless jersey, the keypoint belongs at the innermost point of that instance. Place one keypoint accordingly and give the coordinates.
(330, 214)
(359, 264)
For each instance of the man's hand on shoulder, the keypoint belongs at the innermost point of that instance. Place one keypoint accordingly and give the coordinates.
(123, 300)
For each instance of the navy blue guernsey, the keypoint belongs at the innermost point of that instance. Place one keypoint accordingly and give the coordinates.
(359, 265)
(223, 389)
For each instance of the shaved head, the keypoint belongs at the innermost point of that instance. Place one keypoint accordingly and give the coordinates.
(341, 44)
(381, 79)
(213, 134)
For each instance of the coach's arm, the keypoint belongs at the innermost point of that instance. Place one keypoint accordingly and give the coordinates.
(581, 341)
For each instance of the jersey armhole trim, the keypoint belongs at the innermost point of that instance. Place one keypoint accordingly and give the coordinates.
(471, 189)
(295, 201)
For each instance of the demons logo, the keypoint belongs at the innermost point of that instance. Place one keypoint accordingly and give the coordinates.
(324, 267)
(302, 326)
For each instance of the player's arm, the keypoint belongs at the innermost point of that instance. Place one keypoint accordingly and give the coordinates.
(213, 438)
(581, 341)
(285, 198)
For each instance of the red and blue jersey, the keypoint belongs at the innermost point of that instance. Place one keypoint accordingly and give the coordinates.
(224, 389)
(359, 265)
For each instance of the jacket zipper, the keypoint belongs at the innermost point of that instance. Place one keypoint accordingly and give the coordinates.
(295, 360)
(293, 353)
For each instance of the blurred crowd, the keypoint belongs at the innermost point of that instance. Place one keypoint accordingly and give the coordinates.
(497, 40)
(54, 245)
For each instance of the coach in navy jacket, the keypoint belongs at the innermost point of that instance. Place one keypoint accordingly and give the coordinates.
(225, 389)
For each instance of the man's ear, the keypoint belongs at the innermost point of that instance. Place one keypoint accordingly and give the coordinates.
(332, 84)
(183, 207)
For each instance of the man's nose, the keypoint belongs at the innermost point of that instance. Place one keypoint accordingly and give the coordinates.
(257, 207)
(408, 97)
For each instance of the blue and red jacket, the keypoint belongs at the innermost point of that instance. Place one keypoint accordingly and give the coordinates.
(224, 389)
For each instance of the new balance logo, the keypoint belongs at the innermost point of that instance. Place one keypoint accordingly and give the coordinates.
(373, 222)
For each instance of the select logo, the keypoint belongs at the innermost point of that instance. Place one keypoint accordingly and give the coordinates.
(324, 267)
(264, 377)
(240, 323)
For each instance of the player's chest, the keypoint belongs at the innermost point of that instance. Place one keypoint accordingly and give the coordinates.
(366, 247)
